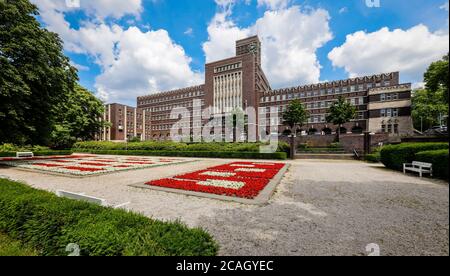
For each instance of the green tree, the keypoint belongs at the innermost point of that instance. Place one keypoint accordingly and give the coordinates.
(341, 112)
(34, 77)
(427, 108)
(77, 118)
(436, 78)
(295, 116)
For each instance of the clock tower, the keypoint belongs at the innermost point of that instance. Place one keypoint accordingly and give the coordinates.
(249, 45)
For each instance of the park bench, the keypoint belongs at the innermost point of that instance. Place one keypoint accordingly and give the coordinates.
(24, 154)
(419, 167)
(90, 199)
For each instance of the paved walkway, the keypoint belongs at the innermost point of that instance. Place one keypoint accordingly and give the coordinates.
(320, 208)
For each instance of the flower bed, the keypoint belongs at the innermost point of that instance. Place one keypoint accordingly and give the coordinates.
(85, 165)
(239, 179)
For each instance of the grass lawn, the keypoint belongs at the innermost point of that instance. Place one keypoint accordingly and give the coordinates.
(9, 247)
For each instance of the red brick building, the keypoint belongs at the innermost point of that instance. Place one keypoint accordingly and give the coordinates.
(383, 103)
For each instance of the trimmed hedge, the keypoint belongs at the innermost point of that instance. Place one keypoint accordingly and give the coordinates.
(373, 157)
(199, 154)
(172, 146)
(48, 223)
(439, 159)
(39, 153)
(394, 156)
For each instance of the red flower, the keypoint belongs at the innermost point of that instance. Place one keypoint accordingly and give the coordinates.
(93, 164)
(47, 165)
(83, 169)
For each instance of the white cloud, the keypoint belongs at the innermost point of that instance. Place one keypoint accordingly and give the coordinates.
(189, 32)
(343, 10)
(133, 62)
(408, 51)
(290, 38)
(274, 4)
(146, 62)
(445, 7)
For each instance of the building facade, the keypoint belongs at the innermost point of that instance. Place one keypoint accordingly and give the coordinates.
(383, 103)
(125, 122)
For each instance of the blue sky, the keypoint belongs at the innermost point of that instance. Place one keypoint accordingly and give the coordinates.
(127, 48)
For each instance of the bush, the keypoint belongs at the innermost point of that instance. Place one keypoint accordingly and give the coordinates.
(439, 159)
(172, 146)
(39, 153)
(14, 148)
(48, 223)
(394, 156)
(373, 157)
(200, 154)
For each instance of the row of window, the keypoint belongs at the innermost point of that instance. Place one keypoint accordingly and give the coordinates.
(228, 67)
(323, 92)
(389, 112)
(174, 97)
(389, 97)
(170, 107)
(390, 128)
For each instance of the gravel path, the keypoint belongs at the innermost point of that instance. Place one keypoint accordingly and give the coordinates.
(320, 208)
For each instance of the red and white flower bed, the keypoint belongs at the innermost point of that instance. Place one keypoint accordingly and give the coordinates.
(85, 165)
(240, 179)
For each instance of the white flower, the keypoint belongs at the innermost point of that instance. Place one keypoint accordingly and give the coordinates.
(224, 174)
(250, 170)
(242, 165)
(223, 184)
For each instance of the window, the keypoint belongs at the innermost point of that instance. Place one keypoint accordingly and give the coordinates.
(395, 112)
(387, 83)
(330, 91)
(369, 85)
(396, 129)
(389, 128)
(389, 112)
(352, 88)
(383, 112)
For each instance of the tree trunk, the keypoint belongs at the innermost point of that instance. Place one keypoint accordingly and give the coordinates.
(339, 134)
(292, 146)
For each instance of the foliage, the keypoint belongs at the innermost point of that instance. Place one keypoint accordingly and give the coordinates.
(48, 223)
(429, 103)
(37, 153)
(295, 115)
(77, 118)
(15, 148)
(394, 156)
(201, 154)
(427, 106)
(35, 75)
(13, 248)
(341, 112)
(173, 146)
(436, 78)
(439, 159)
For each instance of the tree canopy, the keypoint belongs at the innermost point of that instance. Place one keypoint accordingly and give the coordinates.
(436, 78)
(432, 102)
(295, 115)
(341, 112)
(38, 86)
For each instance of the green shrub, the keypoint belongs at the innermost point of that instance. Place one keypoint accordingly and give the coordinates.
(48, 223)
(152, 146)
(199, 154)
(439, 159)
(40, 153)
(373, 157)
(394, 156)
(335, 145)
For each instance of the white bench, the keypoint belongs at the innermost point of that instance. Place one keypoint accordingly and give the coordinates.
(90, 199)
(419, 167)
(24, 154)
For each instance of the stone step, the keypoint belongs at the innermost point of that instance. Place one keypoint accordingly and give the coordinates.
(325, 156)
